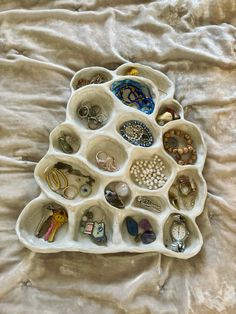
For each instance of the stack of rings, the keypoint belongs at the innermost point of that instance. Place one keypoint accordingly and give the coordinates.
(183, 155)
(68, 143)
(57, 181)
(106, 162)
(93, 114)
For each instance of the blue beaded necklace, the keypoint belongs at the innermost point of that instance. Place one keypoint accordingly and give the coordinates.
(134, 94)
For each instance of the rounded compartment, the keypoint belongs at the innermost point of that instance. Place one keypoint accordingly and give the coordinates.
(94, 225)
(161, 81)
(37, 229)
(65, 178)
(117, 194)
(91, 75)
(153, 166)
(133, 227)
(90, 107)
(169, 111)
(106, 153)
(151, 172)
(179, 136)
(136, 94)
(65, 139)
(181, 235)
(136, 130)
(188, 192)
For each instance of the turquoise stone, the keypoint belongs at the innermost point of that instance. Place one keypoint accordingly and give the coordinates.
(132, 226)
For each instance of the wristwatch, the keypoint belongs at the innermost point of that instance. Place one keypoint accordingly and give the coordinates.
(179, 233)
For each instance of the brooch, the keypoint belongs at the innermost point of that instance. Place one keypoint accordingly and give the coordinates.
(137, 133)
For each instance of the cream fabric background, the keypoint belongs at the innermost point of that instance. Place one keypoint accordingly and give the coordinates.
(42, 44)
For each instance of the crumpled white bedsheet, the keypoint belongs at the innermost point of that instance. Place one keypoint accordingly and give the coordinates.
(42, 44)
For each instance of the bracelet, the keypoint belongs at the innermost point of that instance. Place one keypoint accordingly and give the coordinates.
(56, 179)
(183, 155)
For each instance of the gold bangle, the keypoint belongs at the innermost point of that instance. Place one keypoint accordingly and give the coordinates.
(64, 178)
(53, 179)
(53, 184)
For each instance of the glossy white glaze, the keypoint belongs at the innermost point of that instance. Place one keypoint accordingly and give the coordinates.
(108, 137)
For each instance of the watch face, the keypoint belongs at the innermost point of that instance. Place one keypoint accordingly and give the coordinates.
(178, 231)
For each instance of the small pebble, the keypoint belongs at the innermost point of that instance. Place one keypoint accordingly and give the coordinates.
(145, 224)
(132, 226)
(148, 237)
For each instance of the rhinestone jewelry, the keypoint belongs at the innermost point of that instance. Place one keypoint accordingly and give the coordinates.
(149, 174)
(134, 94)
(137, 133)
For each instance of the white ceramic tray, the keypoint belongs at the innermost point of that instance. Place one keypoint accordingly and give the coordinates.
(108, 138)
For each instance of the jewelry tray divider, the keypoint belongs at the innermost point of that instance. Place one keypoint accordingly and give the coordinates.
(108, 137)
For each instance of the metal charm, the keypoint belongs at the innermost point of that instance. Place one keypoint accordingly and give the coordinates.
(146, 203)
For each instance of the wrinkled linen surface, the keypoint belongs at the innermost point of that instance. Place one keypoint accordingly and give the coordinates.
(42, 44)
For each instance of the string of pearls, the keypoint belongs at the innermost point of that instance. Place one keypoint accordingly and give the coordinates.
(149, 174)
